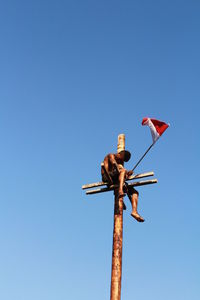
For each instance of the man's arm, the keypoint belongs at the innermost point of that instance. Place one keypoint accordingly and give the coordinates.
(106, 167)
(113, 162)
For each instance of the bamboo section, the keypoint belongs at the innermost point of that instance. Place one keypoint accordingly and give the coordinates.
(121, 142)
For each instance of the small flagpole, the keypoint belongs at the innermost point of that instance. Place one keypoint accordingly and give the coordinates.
(143, 156)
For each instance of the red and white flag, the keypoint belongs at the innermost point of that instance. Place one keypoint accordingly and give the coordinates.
(157, 127)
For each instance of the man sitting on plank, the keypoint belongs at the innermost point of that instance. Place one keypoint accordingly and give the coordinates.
(113, 172)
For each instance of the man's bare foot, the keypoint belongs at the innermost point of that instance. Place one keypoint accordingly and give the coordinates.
(137, 217)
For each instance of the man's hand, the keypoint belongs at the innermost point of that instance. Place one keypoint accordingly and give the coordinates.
(129, 173)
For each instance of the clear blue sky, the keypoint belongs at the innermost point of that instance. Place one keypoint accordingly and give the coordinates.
(73, 75)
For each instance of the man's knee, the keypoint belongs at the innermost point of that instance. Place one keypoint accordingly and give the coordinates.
(136, 192)
(132, 191)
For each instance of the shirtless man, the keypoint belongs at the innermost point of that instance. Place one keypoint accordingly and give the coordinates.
(115, 173)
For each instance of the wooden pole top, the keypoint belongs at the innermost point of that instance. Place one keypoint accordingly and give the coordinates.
(121, 142)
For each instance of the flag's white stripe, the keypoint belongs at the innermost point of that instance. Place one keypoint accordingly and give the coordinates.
(154, 133)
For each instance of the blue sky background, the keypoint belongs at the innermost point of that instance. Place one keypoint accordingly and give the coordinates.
(73, 75)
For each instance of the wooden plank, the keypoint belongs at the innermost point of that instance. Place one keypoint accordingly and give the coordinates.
(101, 183)
(107, 189)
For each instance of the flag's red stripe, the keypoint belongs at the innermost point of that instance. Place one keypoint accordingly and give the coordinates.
(159, 125)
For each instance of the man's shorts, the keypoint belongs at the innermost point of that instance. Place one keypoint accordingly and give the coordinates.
(131, 190)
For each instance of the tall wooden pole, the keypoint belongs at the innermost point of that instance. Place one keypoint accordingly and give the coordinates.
(116, 276)
(117, 249)
(115, 292)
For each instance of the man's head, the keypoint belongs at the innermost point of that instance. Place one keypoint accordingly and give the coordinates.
(125, 155)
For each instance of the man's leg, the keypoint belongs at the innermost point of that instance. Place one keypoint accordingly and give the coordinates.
(122, 176)
(133, 197)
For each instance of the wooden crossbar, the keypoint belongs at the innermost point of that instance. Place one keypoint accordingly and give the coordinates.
(107, 189)
(101, 183)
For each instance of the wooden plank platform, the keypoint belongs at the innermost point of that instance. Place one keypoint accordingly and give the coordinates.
(107, 189)
(101, 183)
